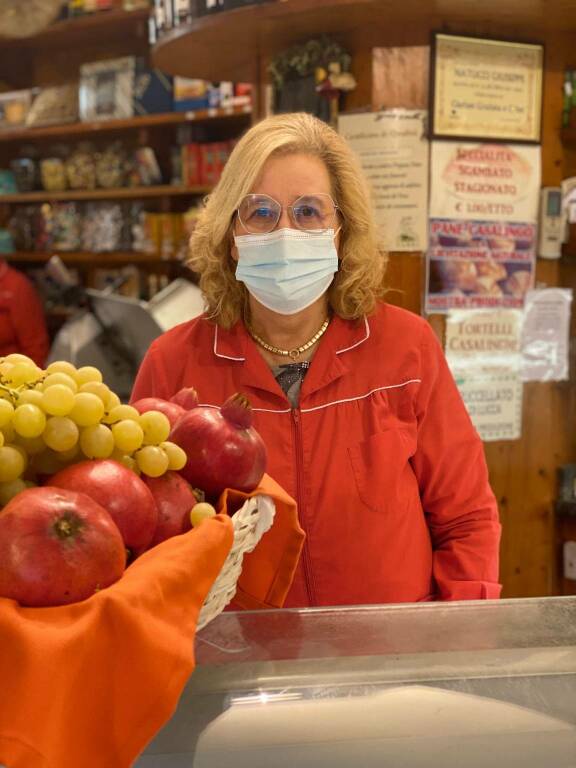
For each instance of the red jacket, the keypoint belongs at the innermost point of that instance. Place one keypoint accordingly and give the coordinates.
(381, 456)
(22, 322)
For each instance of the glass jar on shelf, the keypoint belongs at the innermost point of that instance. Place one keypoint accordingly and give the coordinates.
(111, 166)
(81, 167)
(53, 170)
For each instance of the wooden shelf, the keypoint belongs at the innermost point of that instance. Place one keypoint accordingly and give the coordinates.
(92, 28)
(90, 257)
(123, 193)
(244, 35)
(134, 123)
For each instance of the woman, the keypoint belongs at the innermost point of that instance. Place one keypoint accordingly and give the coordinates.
(363, 422)
(22, 322)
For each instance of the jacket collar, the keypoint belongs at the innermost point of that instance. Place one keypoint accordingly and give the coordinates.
(331, 361)
(345, 335)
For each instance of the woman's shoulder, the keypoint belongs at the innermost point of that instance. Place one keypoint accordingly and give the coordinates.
(192, 334)
(395, 322)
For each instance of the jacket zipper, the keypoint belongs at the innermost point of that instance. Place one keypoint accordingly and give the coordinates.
(299, 457)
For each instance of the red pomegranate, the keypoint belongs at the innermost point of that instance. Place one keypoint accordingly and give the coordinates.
(174, 499)
(122, 494)
(223, 448)
(172, 411)
(57, 547)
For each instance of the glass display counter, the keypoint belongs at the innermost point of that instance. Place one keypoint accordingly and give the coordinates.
(487, 683)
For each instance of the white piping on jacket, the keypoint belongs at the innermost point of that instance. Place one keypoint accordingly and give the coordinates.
(333, 402)
(360, 397)
(227, 357)
(339, 351)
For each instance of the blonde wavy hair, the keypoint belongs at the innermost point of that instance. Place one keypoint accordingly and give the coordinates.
(358, 284)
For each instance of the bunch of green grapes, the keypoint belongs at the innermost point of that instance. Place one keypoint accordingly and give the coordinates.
(61, 415)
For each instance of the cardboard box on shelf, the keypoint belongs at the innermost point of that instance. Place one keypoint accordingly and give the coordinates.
(190, 94)
(152, 90)
(14, 107)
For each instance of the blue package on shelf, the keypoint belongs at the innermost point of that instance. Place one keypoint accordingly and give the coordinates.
(7, 183)
(153, 91)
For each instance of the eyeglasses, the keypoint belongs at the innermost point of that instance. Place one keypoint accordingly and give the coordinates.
(259, 214)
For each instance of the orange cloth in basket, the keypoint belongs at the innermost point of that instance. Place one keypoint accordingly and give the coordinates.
(88, 685)
(268, 571)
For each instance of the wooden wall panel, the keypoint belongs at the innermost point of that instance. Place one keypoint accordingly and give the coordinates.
(523, 472)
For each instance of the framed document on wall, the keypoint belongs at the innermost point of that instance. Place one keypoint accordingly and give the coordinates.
(486, 89)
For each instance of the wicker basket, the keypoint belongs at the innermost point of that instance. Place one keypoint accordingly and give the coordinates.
(251, 522)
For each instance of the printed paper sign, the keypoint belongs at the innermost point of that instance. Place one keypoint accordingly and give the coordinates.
(476, 338)
(494, 402)
(479, 264)
(393, 151)
(487, 182)
(483, 350)
(545, 341)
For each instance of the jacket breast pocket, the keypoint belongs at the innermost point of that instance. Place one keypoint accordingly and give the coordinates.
(382, 471)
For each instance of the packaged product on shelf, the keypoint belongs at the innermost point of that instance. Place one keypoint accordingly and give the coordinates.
(55, 105)
(14, 106)
(225, 94)
(21, 225)
(190, 94)
(176, 166)
(25, 170)
(172, 233)
(7, 182)
(111, 166)
(76, 7)
(153, 232)
(152, 90)
(183, 11)
(66, 227)
(146, 171)
(213, 157)
(136, 5)
(139, 235)
(191, 164)
(43, 227)
(81, 167)
(107, 89)
(53, 174)
(211, 6)
(242, 95)
(102, 227)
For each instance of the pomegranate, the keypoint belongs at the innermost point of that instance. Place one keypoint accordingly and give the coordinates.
(174, 499)
(172, 411)
(57, 547)
(122, 494)
(186, 397)
(223, 449)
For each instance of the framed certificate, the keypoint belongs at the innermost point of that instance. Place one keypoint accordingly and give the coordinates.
(486, 89)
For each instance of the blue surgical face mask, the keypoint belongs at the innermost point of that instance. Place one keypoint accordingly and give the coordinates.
(287, 270)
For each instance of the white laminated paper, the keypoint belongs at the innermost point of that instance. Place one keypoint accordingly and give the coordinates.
(545, 340)
(483, 350)
(393, 150)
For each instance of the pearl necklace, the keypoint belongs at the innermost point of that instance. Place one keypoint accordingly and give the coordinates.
(291, 353)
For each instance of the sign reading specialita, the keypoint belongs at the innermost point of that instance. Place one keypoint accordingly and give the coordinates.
(393, 151)
(487, 182)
